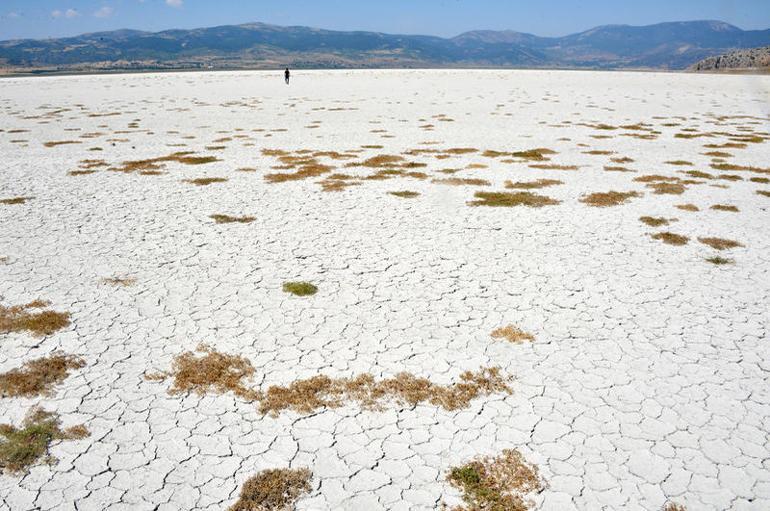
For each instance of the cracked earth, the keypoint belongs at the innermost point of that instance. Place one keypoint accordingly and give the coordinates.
(646, 378)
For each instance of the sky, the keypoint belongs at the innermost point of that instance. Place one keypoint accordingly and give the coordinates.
(57, 18)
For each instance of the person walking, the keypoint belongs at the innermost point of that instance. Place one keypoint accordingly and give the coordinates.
(287, 75)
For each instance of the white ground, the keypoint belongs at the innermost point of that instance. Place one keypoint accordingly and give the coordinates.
(648, 378)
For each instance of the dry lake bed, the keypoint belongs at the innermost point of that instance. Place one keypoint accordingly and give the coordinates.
(385, 290)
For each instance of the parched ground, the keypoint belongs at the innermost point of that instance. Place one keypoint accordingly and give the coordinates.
(637, 358)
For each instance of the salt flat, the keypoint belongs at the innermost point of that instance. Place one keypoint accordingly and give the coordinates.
(647, 379)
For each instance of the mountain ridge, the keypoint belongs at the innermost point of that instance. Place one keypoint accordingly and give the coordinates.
(670, 45)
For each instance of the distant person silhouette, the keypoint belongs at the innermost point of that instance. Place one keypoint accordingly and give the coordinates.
(287, 75)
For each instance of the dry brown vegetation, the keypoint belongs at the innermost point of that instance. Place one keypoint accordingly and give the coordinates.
(725, 207)
(307, 396)
(39, 376)
(61, 142)
(273, 490)
(512, 199)
(227, 219)
(687, 207)
(512, 334)
(532, 185)
(405, 194)
(462, 181)
(653, 221)
(680, 163)
(20, 318)
(719, 261)
(14, 200)
(501, 483)
(553, 166)
(607, 199)
(669, 238)
(80, 172)
(764, 193)
(205, 181)
(155, 164)
(762, 180)
(673, 506)
(211, 372)
(119, 281)
(300, 288)
(539, 154)
(720, 243)
(23, 447)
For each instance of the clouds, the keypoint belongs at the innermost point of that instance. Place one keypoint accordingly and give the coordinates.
(68, 14)
(104, 12)
(174, 3)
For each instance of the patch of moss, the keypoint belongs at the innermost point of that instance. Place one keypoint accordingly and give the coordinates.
(300, 288)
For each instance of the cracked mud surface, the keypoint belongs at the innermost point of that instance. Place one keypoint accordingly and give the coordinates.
(647, 381)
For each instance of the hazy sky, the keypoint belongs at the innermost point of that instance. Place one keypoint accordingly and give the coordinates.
(54, 18)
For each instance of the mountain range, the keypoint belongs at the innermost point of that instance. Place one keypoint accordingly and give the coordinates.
(675, 45)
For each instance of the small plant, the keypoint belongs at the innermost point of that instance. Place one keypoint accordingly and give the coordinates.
(539, 154)
(725, 207)
(653, 221)
(670, 238)
(14, 200)
(460, 181)
(205, 181)
(608, 199)
(496, 484)
(23, 447)
(300, 288)
(513, 199)
(39, 376)
(512, 334)
(720, 243)
(532, 185)
(18, 318)
(273, 490)
(764, 193)
(226, 219)
(688, 207)
(211, 372)
(119, 281)
(719, 261)
(673, 506)
(405, 194)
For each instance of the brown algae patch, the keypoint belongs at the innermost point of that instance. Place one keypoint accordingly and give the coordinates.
(512, 199)
(501, 483)
(512, 334)
(38, 377)
(273, 490)
(26, 317)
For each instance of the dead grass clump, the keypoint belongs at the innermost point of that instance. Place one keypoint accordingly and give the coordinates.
(762, 180)
(669, 238)
(273, 490)
(764, 193)
(509, 200)
(739, 168)
(607, 199)
(211, 372)
(617, 168)
(306, 396)
(718, 154)
(380, 161)
(725, 207)
(673, 506)
(687, 207)
(512, 334)
(23, 447)
(667, 188)
(461, 150)
(152, 164)
(246, 169)
(460, 181)
(14, 200)
(553, 166)
(538, 154)
(680, 163)
(496, 484)
(39, 376)
(598, 152)
(80, 172)
(227, 219)
(300, 288)
(205, 181)
(19, 318)
(720, 243)
(405, 194)
(654, 222)
(720, 261)
(532, 185)
(119, 281)
(61, 142)
(699, 175)
(336, 185)
(622, 159)
(305, 172)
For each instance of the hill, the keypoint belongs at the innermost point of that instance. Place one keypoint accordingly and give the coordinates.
(258, 45)
(754, 58)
